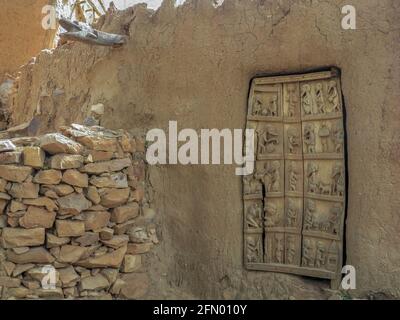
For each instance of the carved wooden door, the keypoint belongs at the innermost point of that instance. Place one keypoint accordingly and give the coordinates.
(294, 203)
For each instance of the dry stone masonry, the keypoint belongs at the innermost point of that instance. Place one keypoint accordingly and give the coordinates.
(75, 201)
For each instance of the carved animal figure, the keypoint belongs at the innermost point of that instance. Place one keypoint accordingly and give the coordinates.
(324, 188)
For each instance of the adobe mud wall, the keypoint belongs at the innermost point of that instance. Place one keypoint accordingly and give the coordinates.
(21, 33)
(194, 64)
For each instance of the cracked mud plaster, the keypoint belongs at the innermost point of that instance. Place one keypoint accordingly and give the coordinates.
(194, 64)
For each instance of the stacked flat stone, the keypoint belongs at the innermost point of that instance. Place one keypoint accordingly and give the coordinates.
(75, 201)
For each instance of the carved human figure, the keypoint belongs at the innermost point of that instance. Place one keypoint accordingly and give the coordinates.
(292, 177)
(332, 258)
(291, 100)
(337, 138)
(293, 140)
(334, 218)
(290, 250)
(273, 106)
(268, 138)
(253, 217)
(319, 98)
(324, 133)
(253, 250)
(333, 96)
(337, 177)
(279, 249)
(291, 214)
(308, 257)
(320, 255)
(272, 177)
(271, 215)
(312, 177)
(246, 185)
(309, 137)
(306, 99)
(309, 217)
(251, 185)
(257, 107)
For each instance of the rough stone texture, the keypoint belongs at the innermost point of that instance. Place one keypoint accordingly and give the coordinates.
(34, 157)
(112, 198)
(70, 228)
(71, 254)
(10, 157)
(26, 190)
(75, 178)
(113, 260)
(49, 204)
(73, 204)
(194, 64)
(38, 218)
(55, 143)
(14, 238)
(125, 213)
(66, 161)
(97, 282)
(95, 221)
(14, 173)
(49, 216)
(48, 177)
(107, 166)
(34, 255)
(115, 180)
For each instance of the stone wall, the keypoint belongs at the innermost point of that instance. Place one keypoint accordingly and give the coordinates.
(75, 201)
